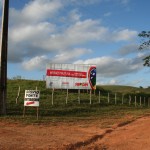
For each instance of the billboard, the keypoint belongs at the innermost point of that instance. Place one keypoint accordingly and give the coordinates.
(71, 76)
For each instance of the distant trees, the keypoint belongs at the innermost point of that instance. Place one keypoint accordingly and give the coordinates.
(145, 35)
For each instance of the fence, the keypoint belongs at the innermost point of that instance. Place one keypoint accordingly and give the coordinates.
(54, 97)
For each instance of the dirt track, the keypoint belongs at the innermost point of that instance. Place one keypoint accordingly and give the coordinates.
(133, 135)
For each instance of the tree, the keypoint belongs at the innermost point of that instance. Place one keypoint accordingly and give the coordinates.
(145, 45)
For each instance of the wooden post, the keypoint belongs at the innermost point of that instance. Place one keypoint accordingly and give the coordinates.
(18, 95)
(144, 101)
(129, 100)
(115, 98)
(122, 98)
(37, 111)
(135, 101)
(3, 57)
(140, 101)
(99, 97)
(67, 97)
(79, 96)
(90, 96)
(52, 96)
(108, 98)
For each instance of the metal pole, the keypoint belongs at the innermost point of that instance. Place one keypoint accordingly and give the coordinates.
(3, 58)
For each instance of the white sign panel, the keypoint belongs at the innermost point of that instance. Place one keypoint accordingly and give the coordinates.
(31, 98)
(32, 94)
(70, 76)
(29, 102)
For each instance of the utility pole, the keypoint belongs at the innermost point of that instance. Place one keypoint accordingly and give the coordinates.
(3, 57)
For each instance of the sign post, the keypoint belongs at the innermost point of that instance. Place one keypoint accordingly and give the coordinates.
(31, 98)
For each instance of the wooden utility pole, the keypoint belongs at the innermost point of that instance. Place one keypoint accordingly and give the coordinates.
(3, 57)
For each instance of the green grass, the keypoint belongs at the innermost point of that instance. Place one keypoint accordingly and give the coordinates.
(61, 111)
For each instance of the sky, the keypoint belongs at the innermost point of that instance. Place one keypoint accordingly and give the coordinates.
(101, 32)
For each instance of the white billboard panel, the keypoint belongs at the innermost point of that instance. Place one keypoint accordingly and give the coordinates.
(71, 76)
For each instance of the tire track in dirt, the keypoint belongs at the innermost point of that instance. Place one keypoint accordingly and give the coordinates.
(95, 138)
(87, 142)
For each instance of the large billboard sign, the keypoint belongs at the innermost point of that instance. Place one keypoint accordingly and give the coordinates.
(71, 76)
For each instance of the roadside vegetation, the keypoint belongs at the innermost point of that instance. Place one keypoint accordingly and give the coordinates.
(106, 102)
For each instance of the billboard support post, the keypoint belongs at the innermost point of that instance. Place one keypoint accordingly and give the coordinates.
(90, 96)
(67, 97)
(79, 96)
(53, 96)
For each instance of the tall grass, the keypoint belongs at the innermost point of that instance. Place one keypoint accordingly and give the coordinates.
(73, 108)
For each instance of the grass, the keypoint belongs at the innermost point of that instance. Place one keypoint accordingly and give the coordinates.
(73, 110)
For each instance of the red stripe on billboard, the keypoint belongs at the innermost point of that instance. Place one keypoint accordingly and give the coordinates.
(66, 73)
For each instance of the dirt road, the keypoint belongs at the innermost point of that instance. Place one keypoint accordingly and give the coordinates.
(133, 135)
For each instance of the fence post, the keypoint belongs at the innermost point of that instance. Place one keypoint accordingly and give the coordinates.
(129, 100)
(140, 101)
(18, 95)
(135, 101)
(79, 96)
(115, 98)
(99, 97)
(67, 97)
(90, 96)
(52, 96)
(122, 98)
(108, 98)
(148, 101)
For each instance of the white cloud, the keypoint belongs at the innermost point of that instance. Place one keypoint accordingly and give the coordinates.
(39, 62)
(128, 49)
(107, 14)
(69, 56)
(85, 2)
(123, 35)
(35, 11)
(33, 34)
(111, 67)
(30, 32)
(80, 32)
(124, 2)
(36, 63)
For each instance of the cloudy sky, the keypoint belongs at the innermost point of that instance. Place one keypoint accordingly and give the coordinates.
(101, 32)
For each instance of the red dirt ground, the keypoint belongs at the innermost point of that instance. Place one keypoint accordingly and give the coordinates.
(82, 135)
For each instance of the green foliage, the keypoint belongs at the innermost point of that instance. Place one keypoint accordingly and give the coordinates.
(71, 107)
(145, 35)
